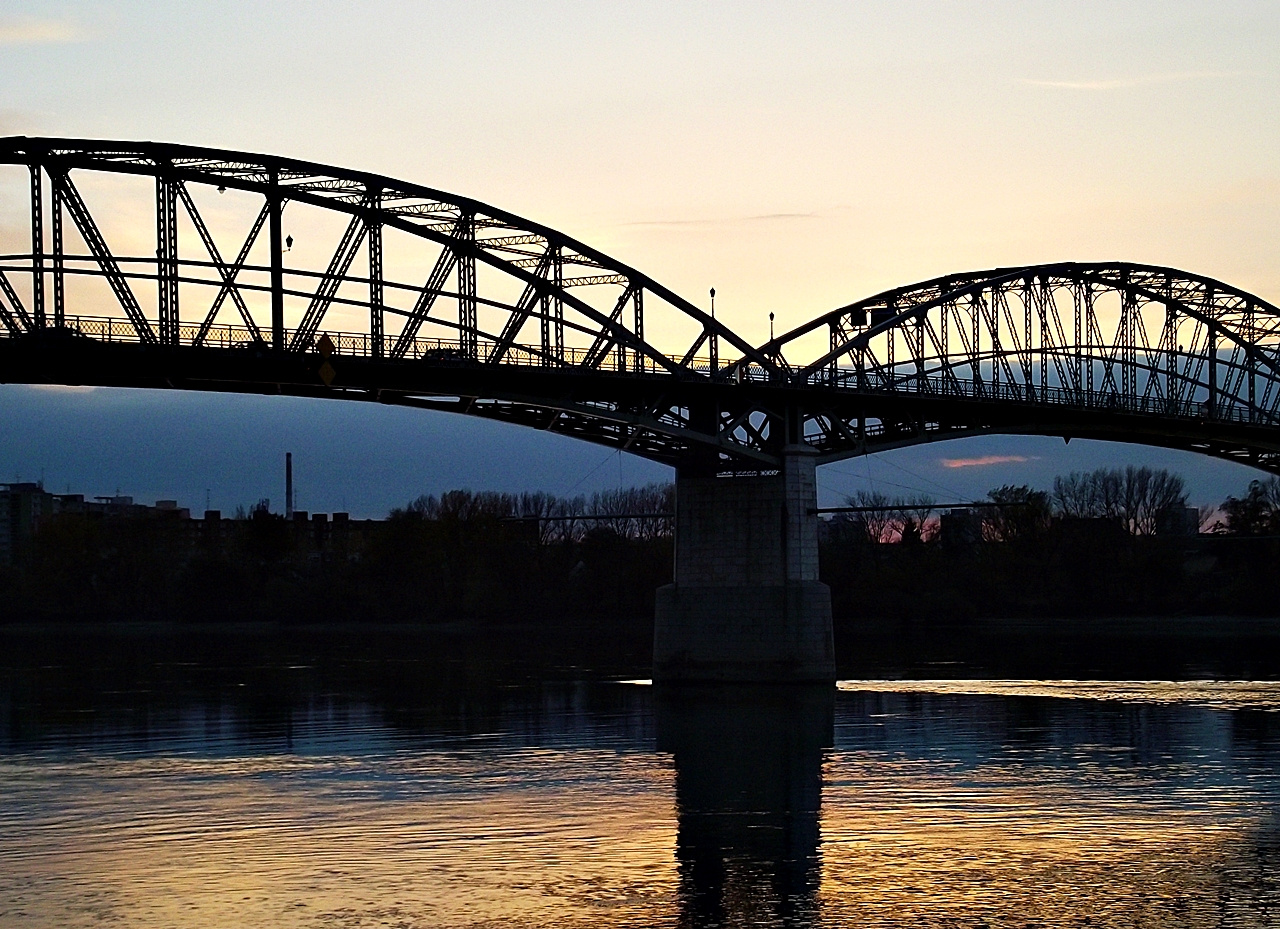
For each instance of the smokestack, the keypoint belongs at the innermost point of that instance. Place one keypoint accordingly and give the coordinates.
(288, 485)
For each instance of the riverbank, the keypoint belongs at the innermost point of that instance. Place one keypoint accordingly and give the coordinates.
(1058, 647)
(1106, 648)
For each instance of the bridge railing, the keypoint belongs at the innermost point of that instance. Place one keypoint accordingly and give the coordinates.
(359, 344)
(1229, 408)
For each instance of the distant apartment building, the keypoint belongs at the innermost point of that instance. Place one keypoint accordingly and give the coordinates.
(23, 506)
(1178, 521)
(960, 527)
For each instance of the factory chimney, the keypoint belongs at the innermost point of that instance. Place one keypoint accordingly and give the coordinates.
(288, 485)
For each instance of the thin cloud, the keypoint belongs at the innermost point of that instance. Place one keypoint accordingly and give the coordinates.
(983, 462)
(31, 30)
(1142, 80)
(735, 221)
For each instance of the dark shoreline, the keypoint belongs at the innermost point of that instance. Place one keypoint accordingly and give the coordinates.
(1115, 648)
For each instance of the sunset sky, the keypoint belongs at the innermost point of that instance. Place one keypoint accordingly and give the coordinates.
(795, 157)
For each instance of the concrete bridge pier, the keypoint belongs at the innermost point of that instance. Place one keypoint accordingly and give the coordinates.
(746, 604)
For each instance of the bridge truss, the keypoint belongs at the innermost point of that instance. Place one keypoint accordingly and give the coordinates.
(1104, 350)
(398, 293)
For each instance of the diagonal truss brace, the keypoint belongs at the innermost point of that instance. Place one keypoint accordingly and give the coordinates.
(227, 272)
(427, 298)
(523, 309)
(603, 343)
(106, 261)
(14, 314)
(327, 289)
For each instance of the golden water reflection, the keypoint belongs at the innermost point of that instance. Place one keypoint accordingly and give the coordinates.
(886, 804)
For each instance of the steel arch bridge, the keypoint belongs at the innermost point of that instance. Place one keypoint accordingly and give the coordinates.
(416, 297)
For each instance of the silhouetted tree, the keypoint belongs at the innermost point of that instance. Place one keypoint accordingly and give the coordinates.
(1137, 497)
(1023, 514)
(1256, 513)
(876, 523)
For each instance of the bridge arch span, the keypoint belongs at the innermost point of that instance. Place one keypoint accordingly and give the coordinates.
(1116, 351)
(494, 315)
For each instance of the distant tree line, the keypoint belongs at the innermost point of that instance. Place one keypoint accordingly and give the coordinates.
(1111, 541)
(1141, 500)
(458, 556)
(1092, 544)
(641, 513)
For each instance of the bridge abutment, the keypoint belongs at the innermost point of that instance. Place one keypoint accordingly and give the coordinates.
(746, 604)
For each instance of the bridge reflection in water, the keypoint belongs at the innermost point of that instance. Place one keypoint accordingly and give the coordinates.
(748, 766)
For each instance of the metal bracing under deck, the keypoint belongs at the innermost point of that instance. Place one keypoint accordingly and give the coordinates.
(497, 316)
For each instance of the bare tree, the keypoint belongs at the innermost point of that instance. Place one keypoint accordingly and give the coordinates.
(565, 528)
(1149, 496)
(918, 511)
(876, 523)
(1137, 498)
(535, 507)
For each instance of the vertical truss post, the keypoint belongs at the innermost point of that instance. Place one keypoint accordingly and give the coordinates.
(59, 278)
(1171, 357)
(1211, 338)
(1046, 339)
(639, 357)
(557, 303)
(917, 349)
(553, 312)
(992, 310)
(544, 321)
(167, 257)
(1129, 345)
(37, 246)
(943, 313)
(975, 323)
(277, 262)
(1025, 361)
(891, 310)
(1249, 367)
(1090, 322)
(833, 367)
(1077, 298)
(375, 273)
(467, 324)
(545, 328)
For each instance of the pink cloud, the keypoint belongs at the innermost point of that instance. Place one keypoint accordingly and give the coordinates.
(983, 461)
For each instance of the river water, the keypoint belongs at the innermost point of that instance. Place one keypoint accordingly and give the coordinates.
(340, 779)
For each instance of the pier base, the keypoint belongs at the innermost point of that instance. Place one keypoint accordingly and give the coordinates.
(746, 604)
